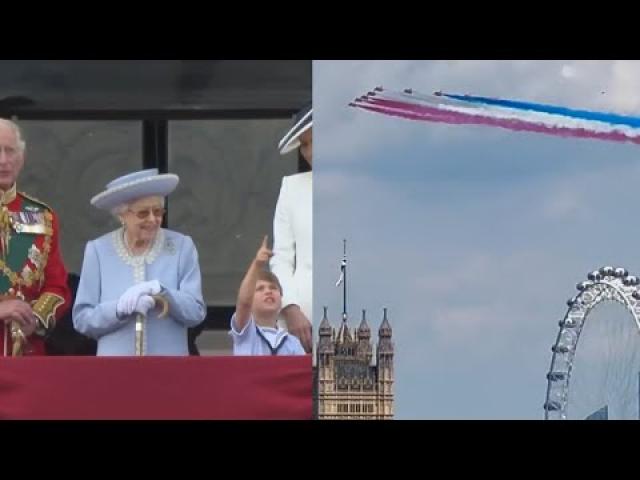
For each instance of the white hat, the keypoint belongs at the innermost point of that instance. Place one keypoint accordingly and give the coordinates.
(145, 183)
(301, 123)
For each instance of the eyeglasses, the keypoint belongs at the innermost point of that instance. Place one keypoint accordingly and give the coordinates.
(157, 212)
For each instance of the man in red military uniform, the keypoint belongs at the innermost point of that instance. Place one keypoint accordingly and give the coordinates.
(33, 279)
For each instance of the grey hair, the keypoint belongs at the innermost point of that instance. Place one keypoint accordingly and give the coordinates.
(119, 210)
(22, 145)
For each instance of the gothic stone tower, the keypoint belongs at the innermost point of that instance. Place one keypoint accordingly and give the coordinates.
(348, 384)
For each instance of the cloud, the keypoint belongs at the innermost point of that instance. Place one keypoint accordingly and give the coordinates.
(568, 71)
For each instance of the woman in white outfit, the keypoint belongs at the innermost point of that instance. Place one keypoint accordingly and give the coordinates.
(293, 234)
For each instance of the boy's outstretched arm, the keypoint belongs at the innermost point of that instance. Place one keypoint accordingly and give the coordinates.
(248, 285)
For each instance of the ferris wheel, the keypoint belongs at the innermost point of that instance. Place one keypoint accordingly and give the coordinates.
(595, 363)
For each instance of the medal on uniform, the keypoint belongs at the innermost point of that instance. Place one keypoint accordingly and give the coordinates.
(5, 231)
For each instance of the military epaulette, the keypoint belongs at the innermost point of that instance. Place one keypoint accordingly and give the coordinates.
(45, 310)
(33, 199)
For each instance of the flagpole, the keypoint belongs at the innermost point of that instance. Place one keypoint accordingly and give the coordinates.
(344, 281)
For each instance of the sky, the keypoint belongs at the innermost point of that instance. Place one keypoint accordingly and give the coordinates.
(473, 237)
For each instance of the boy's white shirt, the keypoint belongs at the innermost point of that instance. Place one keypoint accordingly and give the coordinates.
(249, 342)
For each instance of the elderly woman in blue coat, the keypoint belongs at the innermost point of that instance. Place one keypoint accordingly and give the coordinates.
(139, 281)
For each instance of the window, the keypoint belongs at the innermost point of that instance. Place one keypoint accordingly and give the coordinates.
(67, 163)
(230, 173)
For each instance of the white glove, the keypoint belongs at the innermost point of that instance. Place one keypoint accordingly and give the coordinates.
(145, 303)
(129, 299)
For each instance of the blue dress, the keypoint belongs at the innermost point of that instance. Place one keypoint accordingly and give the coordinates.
(108, 270)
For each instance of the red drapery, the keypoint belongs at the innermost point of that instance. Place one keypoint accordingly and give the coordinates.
(188, 388)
